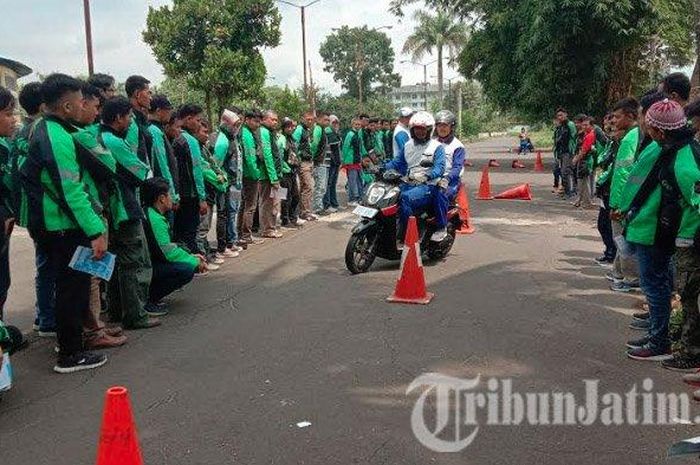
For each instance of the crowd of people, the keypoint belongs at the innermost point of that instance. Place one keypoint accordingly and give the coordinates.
(641, 170)
(132, 176)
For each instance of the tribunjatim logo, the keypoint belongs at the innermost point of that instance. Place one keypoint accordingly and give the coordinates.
(449, 411)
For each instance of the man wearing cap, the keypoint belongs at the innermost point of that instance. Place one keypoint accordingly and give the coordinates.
(401, 132)
(164, 162)
(657, 203)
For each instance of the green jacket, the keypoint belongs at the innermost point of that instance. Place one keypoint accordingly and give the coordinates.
(214, 176)
(606, 164)
(282, 145)
(19, 148)
(379, 144)
(161, 244)
(270, 153)
(624, 160)
(99, 164)
(353, 148)
(159, 154)
(302, 139)
(58, 188)
(197, 165)
(318, 144)
(251, 161)
(228, 155)
(641, 228)
(125, 203)
(6, 184)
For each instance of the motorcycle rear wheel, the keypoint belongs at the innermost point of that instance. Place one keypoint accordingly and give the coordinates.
(360, 252)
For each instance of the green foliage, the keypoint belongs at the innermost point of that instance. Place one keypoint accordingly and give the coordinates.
(179, 92)
(214, 44)
(346, 107)
(352, 53)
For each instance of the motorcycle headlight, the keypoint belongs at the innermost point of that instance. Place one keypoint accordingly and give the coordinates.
(375, 194)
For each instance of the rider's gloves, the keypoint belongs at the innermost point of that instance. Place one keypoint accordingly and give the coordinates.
(443, 183)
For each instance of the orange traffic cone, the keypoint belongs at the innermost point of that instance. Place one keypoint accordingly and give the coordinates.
(463, 204)
(494, 164)
(517, 164)
(118, 442)
(410, 287)
(539, 166)
(521, 192)
(485, 186)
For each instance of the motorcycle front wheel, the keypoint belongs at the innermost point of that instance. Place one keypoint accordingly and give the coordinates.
(361, 251)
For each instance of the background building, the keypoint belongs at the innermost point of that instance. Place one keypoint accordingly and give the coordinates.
(10, 71)
(413, 96)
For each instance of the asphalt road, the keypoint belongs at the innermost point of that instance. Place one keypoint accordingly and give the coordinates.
(284, 335)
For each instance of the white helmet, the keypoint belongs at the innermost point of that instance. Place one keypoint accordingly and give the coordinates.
(421, 119)
(405, 112)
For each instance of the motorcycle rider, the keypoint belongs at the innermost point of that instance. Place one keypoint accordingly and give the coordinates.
(401, 133)
(422, 158)
(455, 154)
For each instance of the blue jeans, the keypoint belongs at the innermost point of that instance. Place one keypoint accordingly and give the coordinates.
(354, 185)
(417, 199)
(167, 278)
(331, 197)
(320, 184)
(233, 205)
(45, 283)
(4, 271)
(656, 280)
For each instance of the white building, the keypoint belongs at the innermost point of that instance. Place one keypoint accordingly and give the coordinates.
(414, 96)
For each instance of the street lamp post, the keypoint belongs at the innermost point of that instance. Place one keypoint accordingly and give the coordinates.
(88, 36)
(302, 9)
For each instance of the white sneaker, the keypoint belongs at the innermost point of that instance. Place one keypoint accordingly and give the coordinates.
(217, 260)
(439, 235)
(199, 275)
(300, 221)
(235, 248)
(353, 204)
(332, 210)
(228, 253)
(212, 267)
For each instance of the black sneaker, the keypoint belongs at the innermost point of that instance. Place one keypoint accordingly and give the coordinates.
(640, 316)
(155, 310)
(640, 325)
(637, 343)
(647, 354)
(79, 362)
(604, 260)
(682, 363)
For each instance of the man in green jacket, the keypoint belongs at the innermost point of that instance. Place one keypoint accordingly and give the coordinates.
(660, 220)
(63, 215)
(302, 138)
(321, 155)
(252, 158)
(164, 162)
(7, 209)
(128, 288)
(352, 153)
(269, 175)
(173, 266)
(565, 141)
(625, 274)
(330, 199)
(189, 162)
(227, 152)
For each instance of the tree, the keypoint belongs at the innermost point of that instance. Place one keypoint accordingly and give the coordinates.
(436, 32)
(214, 44)
(360, 58)
(179, 92)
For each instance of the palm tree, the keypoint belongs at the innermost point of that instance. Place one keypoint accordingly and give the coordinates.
(436, 32)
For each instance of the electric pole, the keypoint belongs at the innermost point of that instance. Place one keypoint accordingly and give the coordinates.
(88, 36)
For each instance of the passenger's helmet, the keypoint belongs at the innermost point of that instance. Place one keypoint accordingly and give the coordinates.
(422, 119)
(446, 117)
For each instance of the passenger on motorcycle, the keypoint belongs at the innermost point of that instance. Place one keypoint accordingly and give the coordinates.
(455, 154)
(422, 159)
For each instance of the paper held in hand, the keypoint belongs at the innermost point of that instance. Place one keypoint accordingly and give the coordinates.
(279, 194)
(82, 261)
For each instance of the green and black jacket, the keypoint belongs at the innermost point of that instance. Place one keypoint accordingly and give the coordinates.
(59, 190)
(164, 163)
(6, 190)
(160, 242)
(302, 138)
(271, 168)
(189, 163)
(140, 138)
(125, 204)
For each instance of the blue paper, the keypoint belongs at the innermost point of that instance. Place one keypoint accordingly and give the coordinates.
(5, 373)
(82, 261)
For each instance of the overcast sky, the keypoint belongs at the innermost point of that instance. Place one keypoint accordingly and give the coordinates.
(48, 35)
